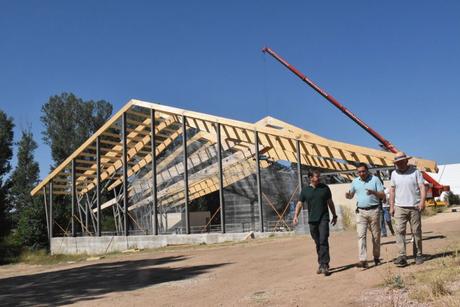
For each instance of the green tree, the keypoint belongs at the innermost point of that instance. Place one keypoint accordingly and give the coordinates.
(25, 175)
(69, 121)
(6, 153)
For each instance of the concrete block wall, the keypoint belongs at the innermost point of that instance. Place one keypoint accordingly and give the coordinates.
(108, 244)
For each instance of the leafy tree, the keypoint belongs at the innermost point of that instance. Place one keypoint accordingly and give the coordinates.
(25, 175)
(6, 153)
(69, 121)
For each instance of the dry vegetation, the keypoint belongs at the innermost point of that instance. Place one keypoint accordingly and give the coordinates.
(348, 217)
(438, 284)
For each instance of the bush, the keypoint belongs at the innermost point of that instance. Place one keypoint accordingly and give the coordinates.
(454, 199)
(32, 231)
(395, 282)
(10, 249)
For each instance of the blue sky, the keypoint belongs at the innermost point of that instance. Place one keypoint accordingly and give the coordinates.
(394, 63)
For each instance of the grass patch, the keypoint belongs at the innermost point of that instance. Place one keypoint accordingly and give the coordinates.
(437, 283)
(432, 284)
(11, 254)
(433, 210)
(42, 257)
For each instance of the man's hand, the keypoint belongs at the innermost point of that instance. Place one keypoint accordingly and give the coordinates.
(334, 220)
(392, 211)
(421, 206)
(295, 220)
(370, 192)
(348, 195)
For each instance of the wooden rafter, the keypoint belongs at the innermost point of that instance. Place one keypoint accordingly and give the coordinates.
(276, 137)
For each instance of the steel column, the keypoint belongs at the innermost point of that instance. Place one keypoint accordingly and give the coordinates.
(184, 140)
(259, 185)
(154, 171)
(221, 179)
(98, 185)
(46, 211)
(299, 173)
(74, 198)
(125, 174)
(51, 208)
(87, 216)
(299, 166)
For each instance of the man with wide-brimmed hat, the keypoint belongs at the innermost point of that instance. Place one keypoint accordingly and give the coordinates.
(407, 200)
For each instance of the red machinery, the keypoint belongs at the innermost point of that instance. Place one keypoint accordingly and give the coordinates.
(436, 187)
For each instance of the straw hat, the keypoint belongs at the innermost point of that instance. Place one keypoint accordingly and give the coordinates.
(401, 156)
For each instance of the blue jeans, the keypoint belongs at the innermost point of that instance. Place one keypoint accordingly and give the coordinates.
(385, 217)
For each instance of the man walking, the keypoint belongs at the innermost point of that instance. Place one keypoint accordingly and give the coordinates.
(369, 192)
(319, 201)
(407, 200)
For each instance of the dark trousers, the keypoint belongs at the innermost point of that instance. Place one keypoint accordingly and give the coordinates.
(320, 233)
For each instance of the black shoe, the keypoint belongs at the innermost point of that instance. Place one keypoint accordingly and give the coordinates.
(384, 235)
(362, 264)
(376, 261)
(401, 261)
(326, 271)
(419, 260)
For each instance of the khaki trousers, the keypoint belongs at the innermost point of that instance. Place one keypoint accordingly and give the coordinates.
(413, 216)
(371, 219)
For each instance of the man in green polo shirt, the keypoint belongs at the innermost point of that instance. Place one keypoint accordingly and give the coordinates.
(319, 201)
(369, 192)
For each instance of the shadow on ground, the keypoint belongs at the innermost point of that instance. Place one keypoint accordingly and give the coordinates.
(342, 268)
(426, 256)
(93, 281)
(425, 238)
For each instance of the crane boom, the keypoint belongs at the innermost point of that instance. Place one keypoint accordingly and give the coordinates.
(387, 144)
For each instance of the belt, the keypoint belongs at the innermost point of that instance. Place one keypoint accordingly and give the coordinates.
(369, 208)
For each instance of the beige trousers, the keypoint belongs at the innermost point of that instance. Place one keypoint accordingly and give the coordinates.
(371, 219)
(413, 216)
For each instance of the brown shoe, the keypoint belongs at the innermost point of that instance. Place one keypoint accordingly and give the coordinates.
(362, 264)
(320, 270)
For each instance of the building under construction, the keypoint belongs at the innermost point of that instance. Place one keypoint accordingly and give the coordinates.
(153, 169)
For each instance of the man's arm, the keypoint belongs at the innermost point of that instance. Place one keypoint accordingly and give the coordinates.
(379, 191)
(351, 193)
(392, 200)
(421, 205)
(331, 206)
(378, 194)
(298, 207)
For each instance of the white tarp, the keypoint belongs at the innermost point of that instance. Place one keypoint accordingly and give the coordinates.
(448, 174)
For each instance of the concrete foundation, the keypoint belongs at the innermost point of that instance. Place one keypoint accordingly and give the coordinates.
(108, 244)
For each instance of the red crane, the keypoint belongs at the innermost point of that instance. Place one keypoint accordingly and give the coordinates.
(437, 187)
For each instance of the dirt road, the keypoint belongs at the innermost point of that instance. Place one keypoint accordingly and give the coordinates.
(275, 272)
